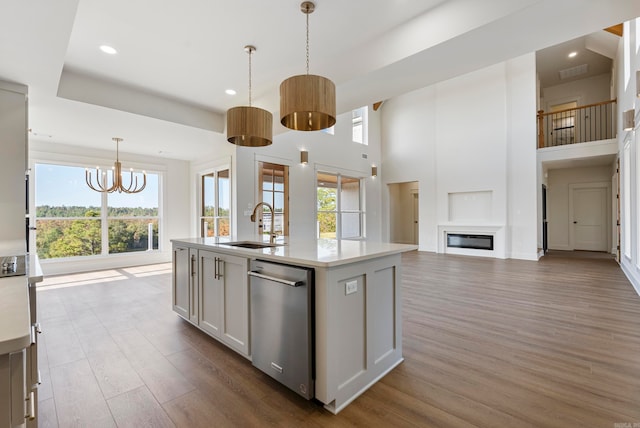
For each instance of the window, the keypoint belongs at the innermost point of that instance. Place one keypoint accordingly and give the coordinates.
(359, 125)
(73, 220)
(627, 53)
(340, 213)
(274, 182)
(132, 218)
(215, 204)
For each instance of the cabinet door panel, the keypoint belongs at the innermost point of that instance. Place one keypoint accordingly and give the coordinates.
(236, 307)
(181, 281)
(194, 267)
(210, 289)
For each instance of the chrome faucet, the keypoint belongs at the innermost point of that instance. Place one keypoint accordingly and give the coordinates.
(272, 235)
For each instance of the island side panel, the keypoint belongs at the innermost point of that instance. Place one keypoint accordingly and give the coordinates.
(358, 327)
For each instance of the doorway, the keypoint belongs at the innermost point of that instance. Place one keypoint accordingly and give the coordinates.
(404, 213)
(588, 214)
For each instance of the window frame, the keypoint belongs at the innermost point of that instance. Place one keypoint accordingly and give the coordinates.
(215, 171)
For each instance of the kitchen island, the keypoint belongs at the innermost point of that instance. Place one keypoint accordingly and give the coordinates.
(358, 316)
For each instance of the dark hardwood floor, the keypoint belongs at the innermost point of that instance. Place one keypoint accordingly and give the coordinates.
(490, 343)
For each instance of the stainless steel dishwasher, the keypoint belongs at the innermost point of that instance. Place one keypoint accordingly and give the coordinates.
(282, 327)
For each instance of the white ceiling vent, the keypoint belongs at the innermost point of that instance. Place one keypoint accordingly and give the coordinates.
(573, 71)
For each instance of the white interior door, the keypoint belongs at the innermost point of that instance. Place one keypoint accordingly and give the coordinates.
(589, 213)
(416, 216)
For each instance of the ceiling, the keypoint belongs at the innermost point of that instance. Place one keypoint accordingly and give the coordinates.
(596, 50)
(164, 90)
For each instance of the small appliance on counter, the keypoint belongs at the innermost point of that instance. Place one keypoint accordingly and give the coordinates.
(13, 265)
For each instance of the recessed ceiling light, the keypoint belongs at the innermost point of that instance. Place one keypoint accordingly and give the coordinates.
(573, 54)
(108, 49)
(230, 92)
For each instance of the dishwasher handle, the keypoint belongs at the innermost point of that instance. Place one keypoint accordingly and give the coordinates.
(273, 278)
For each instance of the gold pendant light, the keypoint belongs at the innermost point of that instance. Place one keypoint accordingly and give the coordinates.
(101, 184)
(307, 101)
(249, 126)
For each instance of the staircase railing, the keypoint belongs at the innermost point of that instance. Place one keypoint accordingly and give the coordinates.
(577, 125)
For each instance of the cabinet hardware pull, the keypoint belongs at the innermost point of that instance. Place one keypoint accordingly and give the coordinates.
(215, 268)
(33, 334)
(193, 263)
(31, 406)
(220, 264)
(38, 328)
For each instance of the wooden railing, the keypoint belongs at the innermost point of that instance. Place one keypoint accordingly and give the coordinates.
(577, 125)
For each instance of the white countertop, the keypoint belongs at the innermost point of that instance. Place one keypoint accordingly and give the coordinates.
(15, 319)
(316, 253)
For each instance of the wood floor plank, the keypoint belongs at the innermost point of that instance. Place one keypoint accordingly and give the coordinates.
(79, 401)
(138, 408)
(47, 417)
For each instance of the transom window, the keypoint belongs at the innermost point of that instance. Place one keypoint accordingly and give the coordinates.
(340, 212)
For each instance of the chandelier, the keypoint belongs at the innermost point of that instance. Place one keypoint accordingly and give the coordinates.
(102, 179)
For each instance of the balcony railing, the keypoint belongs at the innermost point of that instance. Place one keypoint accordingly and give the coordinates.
(577, 125)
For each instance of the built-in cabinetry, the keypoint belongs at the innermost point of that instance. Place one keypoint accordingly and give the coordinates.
(211, 290)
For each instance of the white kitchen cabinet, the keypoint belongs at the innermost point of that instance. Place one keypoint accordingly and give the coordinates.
(211, 290)
(13, 162)
(185, 283)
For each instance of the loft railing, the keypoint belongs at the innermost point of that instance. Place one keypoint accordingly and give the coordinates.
(577, 125)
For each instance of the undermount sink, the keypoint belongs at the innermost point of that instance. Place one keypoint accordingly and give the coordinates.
(251, 244)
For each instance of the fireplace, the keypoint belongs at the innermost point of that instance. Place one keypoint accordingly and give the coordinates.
(474, 242)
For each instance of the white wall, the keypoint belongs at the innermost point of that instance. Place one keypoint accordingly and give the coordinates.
(175, 203)
(558, 194)
(473, 133)
(627, 100)
(587, 91)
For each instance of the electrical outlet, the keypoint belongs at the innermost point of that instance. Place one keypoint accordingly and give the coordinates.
(350, 287)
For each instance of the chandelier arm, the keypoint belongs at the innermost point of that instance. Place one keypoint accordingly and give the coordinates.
(87, 177)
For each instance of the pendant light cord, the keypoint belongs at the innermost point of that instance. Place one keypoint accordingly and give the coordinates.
(250, 52)
(307, 38)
